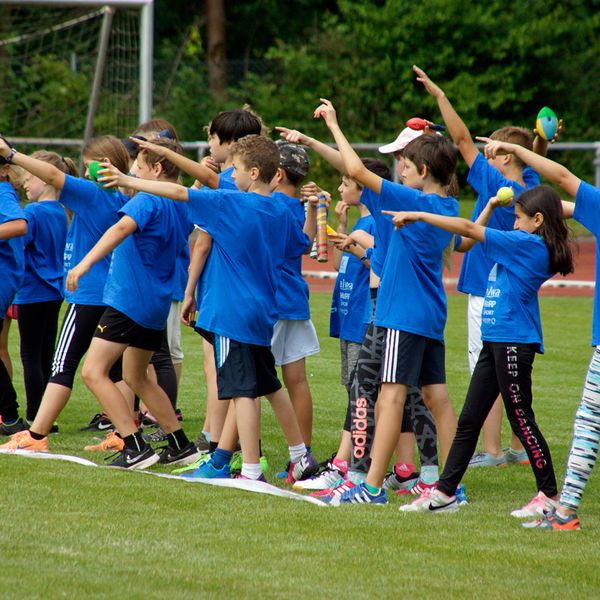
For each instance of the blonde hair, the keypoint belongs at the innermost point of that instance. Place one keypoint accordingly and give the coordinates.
(14, 175)
(62, 163)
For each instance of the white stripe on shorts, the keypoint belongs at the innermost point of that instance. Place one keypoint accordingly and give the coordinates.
(390, 360)
(66, 335)
(222, 345)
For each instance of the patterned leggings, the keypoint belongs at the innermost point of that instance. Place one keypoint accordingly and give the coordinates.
(586, 435)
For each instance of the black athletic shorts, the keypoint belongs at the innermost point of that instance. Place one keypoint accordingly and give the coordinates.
(243, 370)
(412, 359)
(114, 326)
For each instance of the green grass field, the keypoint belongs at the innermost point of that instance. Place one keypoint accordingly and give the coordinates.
(73, 532)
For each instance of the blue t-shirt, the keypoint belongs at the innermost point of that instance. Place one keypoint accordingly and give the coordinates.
(292, 292)
(587, 212)
(95, 211)
(486, 180)
(511, 311)
(226, 181)
(411, 294)
(143, 269)
(12, 254)
(351, 299)
(183, 264)
(382, 232)
(44, 250)
(252, 238)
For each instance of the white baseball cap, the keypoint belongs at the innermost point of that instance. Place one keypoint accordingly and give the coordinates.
(406, 135)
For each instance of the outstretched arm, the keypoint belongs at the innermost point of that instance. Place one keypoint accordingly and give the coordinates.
(331, 155)
(202, 173)
(467, 243)
(45, 171)
(114, 178)
(456, 128)
(353, 164)
(457, 225)
(112, 237)
(12, 229)
(549, 169)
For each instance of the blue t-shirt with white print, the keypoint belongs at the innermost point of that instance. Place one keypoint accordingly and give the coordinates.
(95, 210)
(12, 254)
(143, 270)
(351, 299)
(292, 293)
(511, 311)
(486, 180)
(587, 212)
(252, 237)
(411, 295)
(44, 250)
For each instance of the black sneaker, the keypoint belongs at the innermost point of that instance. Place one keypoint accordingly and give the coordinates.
(99, 422)
(172, 456)
(202, 443)
(53, 429)
(18, 425)
(158, 436)
(135, 459)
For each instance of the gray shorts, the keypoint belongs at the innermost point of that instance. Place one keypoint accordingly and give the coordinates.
(293, 340)
(349, 352)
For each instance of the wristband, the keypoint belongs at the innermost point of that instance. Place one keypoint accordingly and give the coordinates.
(9, 158)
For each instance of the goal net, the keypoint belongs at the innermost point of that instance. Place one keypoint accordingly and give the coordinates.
(48, 60)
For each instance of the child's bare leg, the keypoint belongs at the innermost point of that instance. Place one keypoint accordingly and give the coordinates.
(437, 400)
(343, 451)
(284, 411)
(54, 400)
(248, 423)
(390, 406)
(129, 396)
(405, 448)
(294, 379)
(229, 435)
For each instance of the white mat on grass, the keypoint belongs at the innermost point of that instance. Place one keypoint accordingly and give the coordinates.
(258, 487)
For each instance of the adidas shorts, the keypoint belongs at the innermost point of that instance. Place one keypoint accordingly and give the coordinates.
(293, 340)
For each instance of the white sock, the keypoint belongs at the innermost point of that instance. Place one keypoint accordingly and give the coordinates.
(251, 471)
(297, 452)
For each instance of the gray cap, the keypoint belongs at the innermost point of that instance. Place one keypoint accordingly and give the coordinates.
(293, 158)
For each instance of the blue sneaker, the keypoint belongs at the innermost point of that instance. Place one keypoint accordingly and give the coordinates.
(461, 495)
(360, 495)
(483, 459)
(208, 470)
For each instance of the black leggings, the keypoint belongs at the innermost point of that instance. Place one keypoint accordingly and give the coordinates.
(504, 368)
(165, 371)
(9, 409)
(38, 323)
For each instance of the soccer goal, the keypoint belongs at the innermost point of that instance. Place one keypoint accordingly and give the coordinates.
(71, 68)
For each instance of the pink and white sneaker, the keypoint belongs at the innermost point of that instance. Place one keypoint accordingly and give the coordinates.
(538, 506)
(417, 488)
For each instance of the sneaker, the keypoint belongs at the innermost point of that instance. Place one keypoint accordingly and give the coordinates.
(135, 459)
(483, 459)
(417, 489)
(178, 414)
(160, 435)
(334, 494)
(432, 501)
(360, 495)
(111, 442)
(22, 440)
(240, 476)
(99, 422)
(394, 481)
(303, 469)
(536, 507)
(18, 426)
(207, 470)
(284, 474)
(555, 521)
(204, 456)
(516, 457)
(179, 456)
(264, 465)
(235, 464)
(147, 420)
(325, 479)
(461, 495)
(202, 443)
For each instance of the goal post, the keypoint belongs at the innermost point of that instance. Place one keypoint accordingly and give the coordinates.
(97, 17)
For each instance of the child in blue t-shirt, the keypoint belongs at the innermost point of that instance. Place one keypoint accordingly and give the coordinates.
(252, 237)
(536, 249)
(41, 294)
(13, 226)
(146, 241)
(411, 303)
(586, 429)
(94, 211)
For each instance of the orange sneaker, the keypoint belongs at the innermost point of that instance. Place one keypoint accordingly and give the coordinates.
(112, 442)
(24, 441)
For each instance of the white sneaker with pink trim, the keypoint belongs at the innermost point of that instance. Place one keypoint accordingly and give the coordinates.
(537, 507)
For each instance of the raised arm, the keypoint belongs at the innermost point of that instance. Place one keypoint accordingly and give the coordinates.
(353, 164)
(456, 127)
(12, 229)
(45, 171)
(114, 178)
(456, 225)
(112, 237)
(331, 155)
(202, 173)
(549, 169)
(467, 243)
